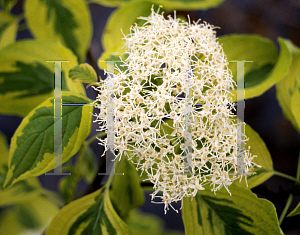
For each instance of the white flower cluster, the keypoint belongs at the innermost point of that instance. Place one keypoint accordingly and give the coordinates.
(172, 111)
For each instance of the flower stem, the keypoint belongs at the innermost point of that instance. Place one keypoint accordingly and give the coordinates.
(286, 176)
(298, 169)
(53, 196)
(290, 199)
(20, 17)
(93, 138)
(22, 27)
(285, 209)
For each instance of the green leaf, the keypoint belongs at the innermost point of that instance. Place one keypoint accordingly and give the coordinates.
(295, 105)
(4, 150)
(31, 217)
(142, 223)
(187, 4)
(288, 85)
(110, 3)
(7, 5)
(67, 186)
(111, 56)
(32, 146)
(167, 128)
(91, 214)
(258, 148)
(83, 73)
(85, 168)
(145, 224)
(241, 213)
(296, 211)
(22, 191)
(267, 67)
(26, 217)
(122, 19)
(8, 29)
(65, 20)
(168, 4)
(128, 187)
(26, 79)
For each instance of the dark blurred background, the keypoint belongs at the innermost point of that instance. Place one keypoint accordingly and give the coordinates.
(267, 18)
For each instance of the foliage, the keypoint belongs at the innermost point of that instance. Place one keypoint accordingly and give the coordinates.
(224, 214)
(62, 31)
